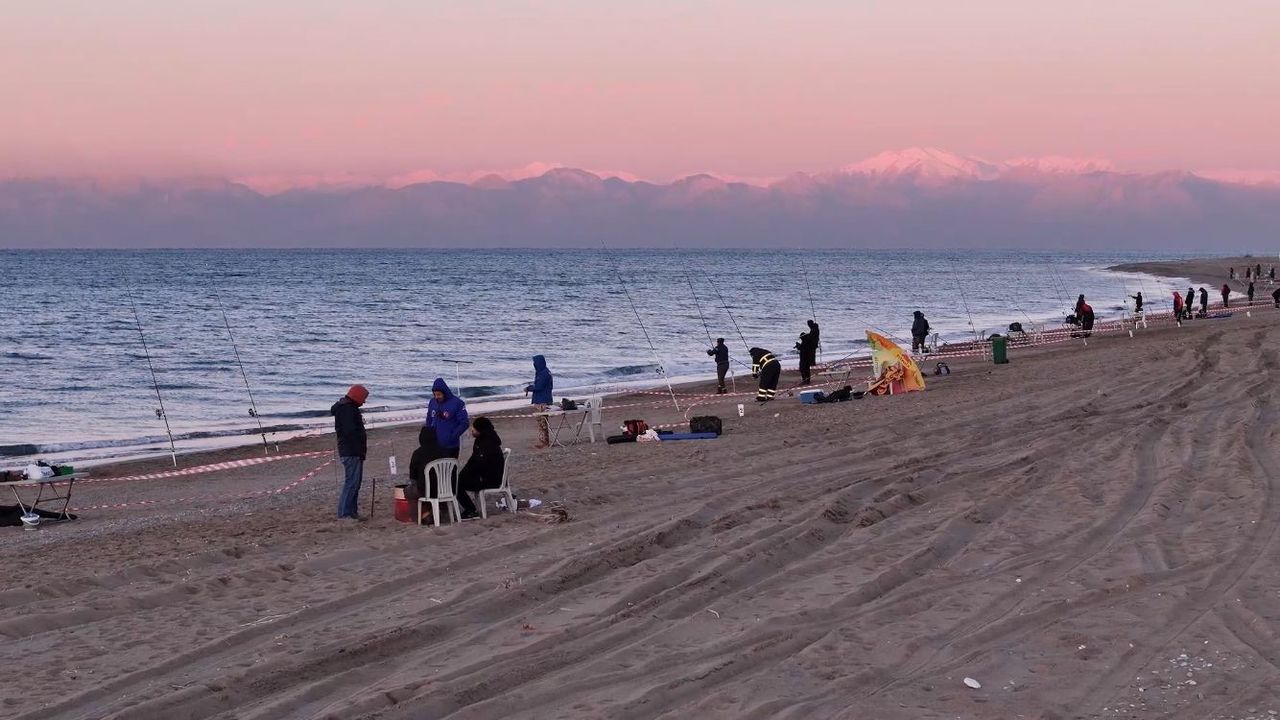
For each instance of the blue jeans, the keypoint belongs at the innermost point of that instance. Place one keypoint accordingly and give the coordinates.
(353, 468)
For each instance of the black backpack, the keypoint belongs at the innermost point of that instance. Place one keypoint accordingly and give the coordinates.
(706, 424)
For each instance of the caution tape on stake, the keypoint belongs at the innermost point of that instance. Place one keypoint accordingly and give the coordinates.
(227, 465)
(208, 498)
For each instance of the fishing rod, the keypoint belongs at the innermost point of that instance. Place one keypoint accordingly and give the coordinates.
(725, 307)
(732, 376)
(812, 311)
(661, 370)
(253, 405)
(160, 413)
(965, 302)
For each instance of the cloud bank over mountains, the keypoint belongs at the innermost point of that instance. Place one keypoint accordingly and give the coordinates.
(915, 198)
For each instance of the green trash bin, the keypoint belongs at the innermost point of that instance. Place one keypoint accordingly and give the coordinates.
(1000, 349)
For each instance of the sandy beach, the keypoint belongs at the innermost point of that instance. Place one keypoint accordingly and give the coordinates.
(1088, 532)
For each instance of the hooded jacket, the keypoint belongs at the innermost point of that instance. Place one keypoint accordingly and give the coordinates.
(919, 326)
(542, 382)
(448, 417)
(348, 423)
(486, 454)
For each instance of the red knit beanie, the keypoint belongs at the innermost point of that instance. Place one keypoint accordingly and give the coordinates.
(359, 393)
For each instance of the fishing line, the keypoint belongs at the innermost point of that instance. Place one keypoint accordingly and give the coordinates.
(955, 277)
(812, 311)
(661, 370)
(698, 305)
(725, 307)
(160, 412)
(253, 406)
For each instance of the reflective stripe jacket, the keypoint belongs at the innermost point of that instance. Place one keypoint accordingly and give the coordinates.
(760, 358)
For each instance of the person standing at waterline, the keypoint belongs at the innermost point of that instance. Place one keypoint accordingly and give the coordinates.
(542, 397)
(353, 446)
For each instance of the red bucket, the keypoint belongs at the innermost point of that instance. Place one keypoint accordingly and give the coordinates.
(403, 508)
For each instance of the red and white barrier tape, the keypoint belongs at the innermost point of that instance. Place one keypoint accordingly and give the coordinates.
(229, 464)
(207, 498)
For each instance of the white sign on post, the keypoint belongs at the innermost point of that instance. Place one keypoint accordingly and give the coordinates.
(392, 462)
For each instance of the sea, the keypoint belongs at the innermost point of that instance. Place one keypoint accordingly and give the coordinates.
(295, 328)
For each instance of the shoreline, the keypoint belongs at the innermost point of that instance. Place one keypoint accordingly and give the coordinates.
(1086, 531)
(221, 440)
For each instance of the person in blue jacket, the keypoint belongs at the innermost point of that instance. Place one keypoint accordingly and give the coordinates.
(447, 415)
(542, 397)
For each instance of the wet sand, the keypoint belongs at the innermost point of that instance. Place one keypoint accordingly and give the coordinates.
(1088, 532)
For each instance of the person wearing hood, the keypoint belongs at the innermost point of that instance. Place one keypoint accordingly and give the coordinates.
(767, 368)
(721, 353)
(541, 389)
(808, 348)
(447, 416)
(919, 333)
(1226, 295)
(353, 446)
(1086, 317)
(483, 470)
(1204, 302)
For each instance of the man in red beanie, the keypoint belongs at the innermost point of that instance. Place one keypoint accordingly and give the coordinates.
(353, 445)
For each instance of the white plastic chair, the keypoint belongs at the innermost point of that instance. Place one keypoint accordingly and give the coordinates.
(595, 403)
(503, 490)
(446, 472)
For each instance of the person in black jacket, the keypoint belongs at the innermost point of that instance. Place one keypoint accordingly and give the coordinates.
(721, 353)
(1137, 303)
(1204, 302)
(484, 470)
(767, 368)
(808, 348)
(919, 333)
(429, 450)
(353, 446)
(1250, 292)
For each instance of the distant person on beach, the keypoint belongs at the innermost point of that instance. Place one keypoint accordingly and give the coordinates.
(353, 446)
(483, 470)
(1079, 306)
(721, 353)
(1272, 273)
(447, 416)
(1086, 318)
(808, 348)
(767, 368)
(1276, 297)
(1257, 271)
(1204, 302)
(1177, 306)
(1137, 303)
(1191, 303)
(919, 332)
(1246, 273)
(1226, 295)
(1233, 273)
(1250, 293)
(541, 388)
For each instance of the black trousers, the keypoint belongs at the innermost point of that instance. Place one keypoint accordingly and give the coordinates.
(722, 369)
(806, 366)
(769, 375)
(470, 480)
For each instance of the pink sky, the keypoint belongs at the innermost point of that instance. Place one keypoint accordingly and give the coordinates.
(657, 88)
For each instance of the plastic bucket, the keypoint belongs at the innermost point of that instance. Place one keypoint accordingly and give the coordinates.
(30, 521)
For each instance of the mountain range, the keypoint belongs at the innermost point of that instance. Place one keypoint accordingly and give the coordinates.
(915, 198)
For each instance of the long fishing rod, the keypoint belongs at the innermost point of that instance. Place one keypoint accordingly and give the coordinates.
(661, 370)
(160, 413)
(725, 307)
(812, 311)
(732, 376)
(955, 277)
(253, 405)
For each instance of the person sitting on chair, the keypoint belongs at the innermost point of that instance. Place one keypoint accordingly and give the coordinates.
(484, 470)
(429, 450)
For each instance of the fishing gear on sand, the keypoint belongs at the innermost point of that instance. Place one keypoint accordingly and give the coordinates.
(253, 405)
(160, 412)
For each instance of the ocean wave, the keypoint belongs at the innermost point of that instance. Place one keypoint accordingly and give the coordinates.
(22, 355)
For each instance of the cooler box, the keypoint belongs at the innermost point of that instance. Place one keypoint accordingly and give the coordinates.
(403, 508)
(809, 397)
